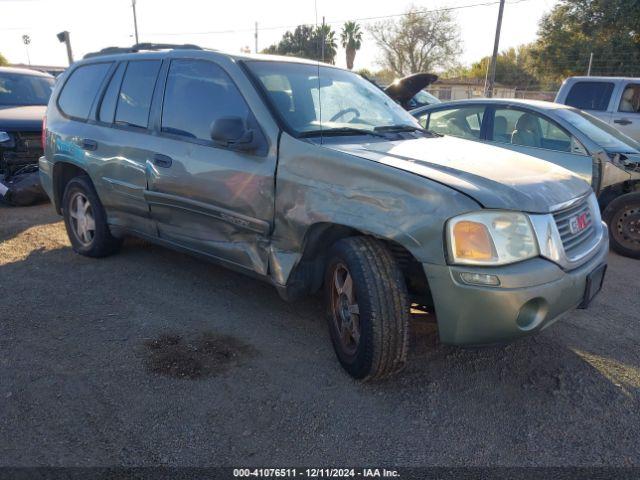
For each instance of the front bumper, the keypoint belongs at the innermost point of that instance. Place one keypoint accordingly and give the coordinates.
(533, 294)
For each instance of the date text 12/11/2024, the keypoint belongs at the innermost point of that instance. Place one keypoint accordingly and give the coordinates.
(315, 473)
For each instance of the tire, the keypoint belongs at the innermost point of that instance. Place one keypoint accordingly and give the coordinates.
(623, 218)
(368, 322)
(86, 220)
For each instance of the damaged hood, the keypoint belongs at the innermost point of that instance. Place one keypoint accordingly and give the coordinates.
(494, 177)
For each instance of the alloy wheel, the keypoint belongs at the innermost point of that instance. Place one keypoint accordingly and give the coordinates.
(82, 220)
(345, 309)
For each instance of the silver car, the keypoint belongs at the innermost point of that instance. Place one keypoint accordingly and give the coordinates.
(576, 140)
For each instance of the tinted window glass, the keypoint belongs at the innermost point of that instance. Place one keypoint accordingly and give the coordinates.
(197, 93)
(81, 89)
(20, 89)
(529, 129)
(108, 107)
(590, 95)
(136, 93)
(460, 122)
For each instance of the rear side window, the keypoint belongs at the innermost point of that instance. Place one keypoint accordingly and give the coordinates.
(81, 89)
(108, 106)
(136, 92)
(199, 92)
(590, 95)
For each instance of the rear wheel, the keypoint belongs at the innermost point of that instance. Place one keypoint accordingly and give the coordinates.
(623, 218)
(367, 308)
(86, 221)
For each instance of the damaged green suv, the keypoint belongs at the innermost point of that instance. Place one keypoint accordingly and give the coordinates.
(310, 177)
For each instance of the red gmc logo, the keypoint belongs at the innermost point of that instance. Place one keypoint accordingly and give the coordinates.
(578, 223)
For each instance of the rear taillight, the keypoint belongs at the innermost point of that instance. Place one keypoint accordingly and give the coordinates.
(43, 137)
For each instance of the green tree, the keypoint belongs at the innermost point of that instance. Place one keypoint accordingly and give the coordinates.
(610, 29)
(3, 61)
(514, 67)
(306, 42)
(418, 41)
(351, 40)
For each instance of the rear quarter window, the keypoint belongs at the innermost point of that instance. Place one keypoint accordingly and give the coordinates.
(80, 90)
(590, 95)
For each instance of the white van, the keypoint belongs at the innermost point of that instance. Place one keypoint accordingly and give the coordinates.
(616, 100)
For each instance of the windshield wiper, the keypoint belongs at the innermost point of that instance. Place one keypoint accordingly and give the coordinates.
(341, 131)
(401, 128)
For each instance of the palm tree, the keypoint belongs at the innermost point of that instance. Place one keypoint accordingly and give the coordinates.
(328, 36)
(351, 38)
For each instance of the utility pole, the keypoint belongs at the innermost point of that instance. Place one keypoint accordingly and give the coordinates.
(590, 62)
(494, 57)
(135, 20)
(64, 37)
(26, 39)
(255, 36)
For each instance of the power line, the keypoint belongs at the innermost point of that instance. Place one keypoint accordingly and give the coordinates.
(361, 19)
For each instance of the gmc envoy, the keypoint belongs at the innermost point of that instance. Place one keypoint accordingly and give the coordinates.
(310, 177)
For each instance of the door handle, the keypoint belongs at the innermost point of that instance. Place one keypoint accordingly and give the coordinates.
(623, 121)
(89, 144)
(162, 160)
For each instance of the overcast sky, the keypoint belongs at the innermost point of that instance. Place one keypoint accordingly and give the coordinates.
(228, 25)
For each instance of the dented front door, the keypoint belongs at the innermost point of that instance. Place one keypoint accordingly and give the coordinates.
(208, 199)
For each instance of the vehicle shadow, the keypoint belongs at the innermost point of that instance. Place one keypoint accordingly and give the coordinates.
(15, 220)
(568, 385)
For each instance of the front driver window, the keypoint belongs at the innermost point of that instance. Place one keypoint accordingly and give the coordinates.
(463, 122)
(198, 93)
(529, 129)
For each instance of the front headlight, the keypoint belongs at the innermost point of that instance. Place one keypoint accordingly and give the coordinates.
(4, 137)
(490, 237)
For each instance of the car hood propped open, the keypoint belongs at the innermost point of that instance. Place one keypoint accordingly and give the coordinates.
(404, 89)
(494, 177)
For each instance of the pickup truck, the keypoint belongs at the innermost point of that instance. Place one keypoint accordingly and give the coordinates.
(615, 100)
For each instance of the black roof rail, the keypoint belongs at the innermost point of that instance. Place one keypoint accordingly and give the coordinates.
(142, 46)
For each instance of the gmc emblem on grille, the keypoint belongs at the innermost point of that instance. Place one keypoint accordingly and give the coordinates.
(578, 223)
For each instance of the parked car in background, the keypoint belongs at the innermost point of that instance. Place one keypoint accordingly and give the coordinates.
(409, 91)
(600, 154)
(24, 95)
(307, 176)
(422, 99)
(614, 100)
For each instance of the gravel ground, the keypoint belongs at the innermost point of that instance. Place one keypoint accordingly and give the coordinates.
(151, 357)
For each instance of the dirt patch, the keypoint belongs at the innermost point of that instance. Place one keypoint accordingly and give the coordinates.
(201, 356)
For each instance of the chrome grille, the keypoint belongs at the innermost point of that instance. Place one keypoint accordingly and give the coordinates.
(577, 241)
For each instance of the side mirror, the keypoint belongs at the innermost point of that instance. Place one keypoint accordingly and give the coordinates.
(231, 133)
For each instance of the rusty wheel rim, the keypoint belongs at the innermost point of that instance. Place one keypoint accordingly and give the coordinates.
(345, 309)
(627, 227)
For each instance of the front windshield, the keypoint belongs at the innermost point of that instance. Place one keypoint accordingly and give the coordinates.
(19, 89)
(603, 134)
(336, 99)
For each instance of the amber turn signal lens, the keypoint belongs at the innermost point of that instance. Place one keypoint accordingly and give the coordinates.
(473, 242)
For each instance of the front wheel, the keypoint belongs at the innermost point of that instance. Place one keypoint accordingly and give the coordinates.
(367, 308)
(86, 220)
(623, 218)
